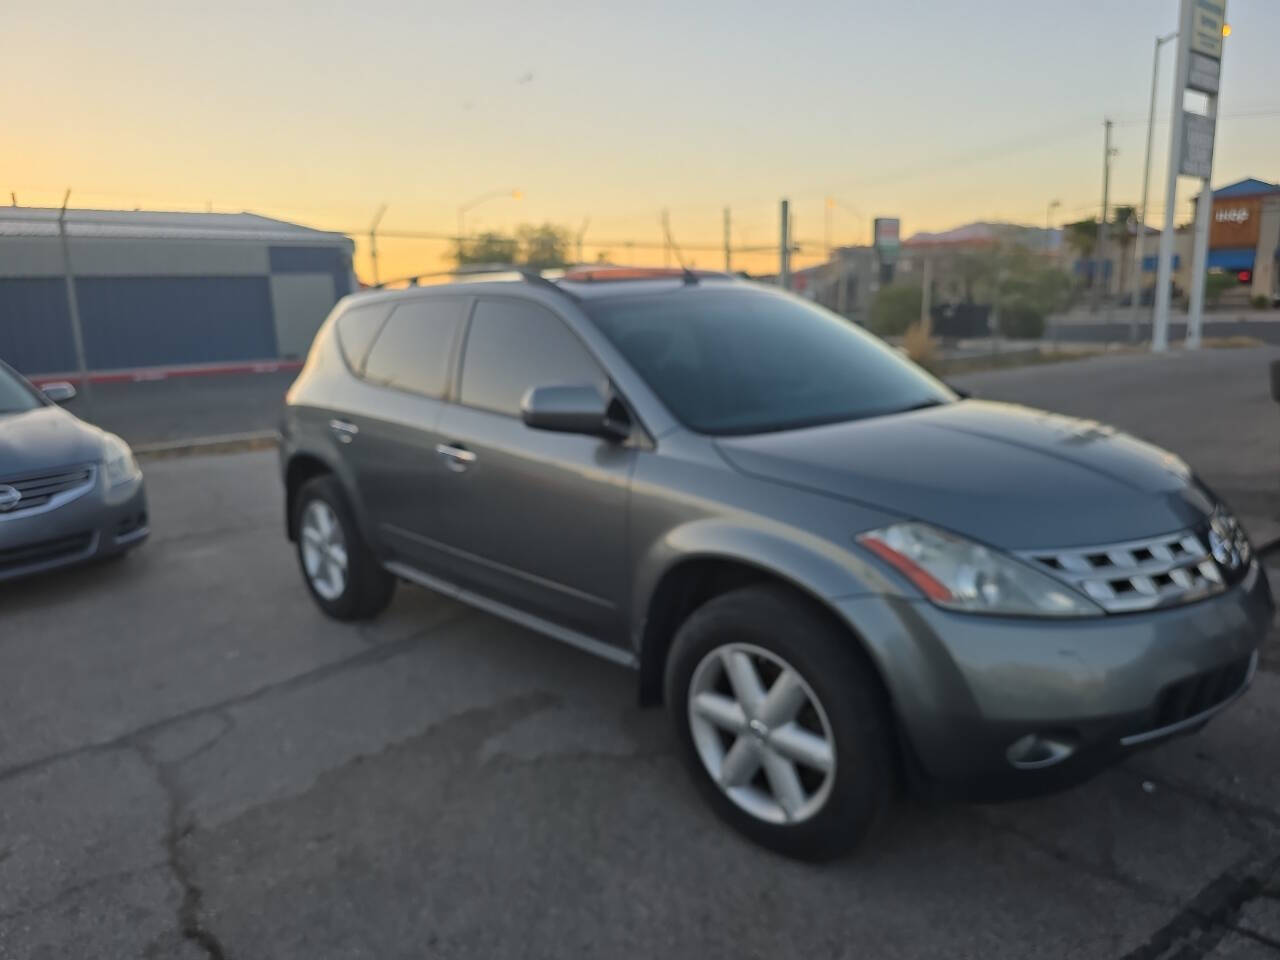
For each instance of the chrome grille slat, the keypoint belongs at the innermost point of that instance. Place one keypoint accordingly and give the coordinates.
(48, 489)
(1136, 574)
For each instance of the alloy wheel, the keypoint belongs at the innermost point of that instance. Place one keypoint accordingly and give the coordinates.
(324, 551)
(761, 733)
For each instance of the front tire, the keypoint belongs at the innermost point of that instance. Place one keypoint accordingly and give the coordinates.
(781, 721)
(341, 572)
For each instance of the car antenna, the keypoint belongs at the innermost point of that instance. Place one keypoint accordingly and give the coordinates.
(689, 276)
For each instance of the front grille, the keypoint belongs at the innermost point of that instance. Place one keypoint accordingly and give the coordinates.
(1193, 696)
(51, 487)
(1136, 575)
(61, 548)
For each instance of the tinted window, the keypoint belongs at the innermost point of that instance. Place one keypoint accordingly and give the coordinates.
(14, 395)
(751, 360)
(356, 329)
(412, 351)
(513, 346)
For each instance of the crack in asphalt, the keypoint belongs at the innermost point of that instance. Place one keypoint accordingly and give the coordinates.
(365, 657)
(1195, 930)
(188, 913)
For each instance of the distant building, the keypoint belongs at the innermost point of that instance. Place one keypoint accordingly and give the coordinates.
(164, 289)
(1244, 235)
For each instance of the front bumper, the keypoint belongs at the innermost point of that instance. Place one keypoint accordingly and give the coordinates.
(98, 524)
(995, 708)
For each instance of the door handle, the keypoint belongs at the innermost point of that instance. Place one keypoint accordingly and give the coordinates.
(458, 458)
(343, 430)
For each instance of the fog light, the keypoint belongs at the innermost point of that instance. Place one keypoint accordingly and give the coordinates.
(1038, 750)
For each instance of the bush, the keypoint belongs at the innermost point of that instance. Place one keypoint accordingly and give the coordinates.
(894, 309)
(1021, 323)
(919, 348)
(1261, 302)
(1216, 284)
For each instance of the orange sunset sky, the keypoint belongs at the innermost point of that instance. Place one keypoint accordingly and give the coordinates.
(934, 111)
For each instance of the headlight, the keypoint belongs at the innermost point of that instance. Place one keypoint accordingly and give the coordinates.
(962, 575)
(118, 459)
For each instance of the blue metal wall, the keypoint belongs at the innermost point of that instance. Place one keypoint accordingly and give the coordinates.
(136, 321)
(35, 325)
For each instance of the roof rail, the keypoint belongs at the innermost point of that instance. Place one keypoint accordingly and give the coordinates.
(482, 272)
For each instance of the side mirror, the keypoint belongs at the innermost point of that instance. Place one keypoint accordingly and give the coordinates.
(576, 409)
(1275, 380)
(59, 391)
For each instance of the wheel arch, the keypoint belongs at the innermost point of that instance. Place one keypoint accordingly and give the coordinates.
(707, 559)
(301, 467)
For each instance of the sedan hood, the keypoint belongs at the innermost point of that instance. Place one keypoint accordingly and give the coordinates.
(47, 437)
(1006, 475)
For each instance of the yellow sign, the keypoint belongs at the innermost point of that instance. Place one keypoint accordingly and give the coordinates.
(1207, 19)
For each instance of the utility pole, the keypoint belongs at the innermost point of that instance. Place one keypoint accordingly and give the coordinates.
(828, 205)
(73, 308)
(666, 238)
(784, 247)
(1048, 222)
(373, 242)
(1139, 241)
(1100, 247)
(926, 297)
(728, 263)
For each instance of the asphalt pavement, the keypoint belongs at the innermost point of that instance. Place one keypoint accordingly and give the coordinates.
(195, 763)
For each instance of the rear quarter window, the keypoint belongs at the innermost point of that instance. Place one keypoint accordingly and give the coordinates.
(356, 328)
(415, 346)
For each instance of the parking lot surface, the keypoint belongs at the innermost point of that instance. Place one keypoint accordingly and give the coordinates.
(195, 763)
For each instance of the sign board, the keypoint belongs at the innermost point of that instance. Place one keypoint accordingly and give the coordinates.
(886, 240)
(1207, 18)
(1196, 158)
(1234, 222)
(1203, 73)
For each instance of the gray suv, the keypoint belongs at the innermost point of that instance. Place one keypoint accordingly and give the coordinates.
(839, 575)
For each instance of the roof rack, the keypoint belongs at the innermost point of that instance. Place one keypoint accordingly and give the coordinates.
(480, 273)
(594, 274)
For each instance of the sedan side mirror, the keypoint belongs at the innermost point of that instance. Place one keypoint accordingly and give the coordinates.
(59, 391)
(574, 409)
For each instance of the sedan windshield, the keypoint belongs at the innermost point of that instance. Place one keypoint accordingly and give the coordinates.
(750, 360)
(15, 396)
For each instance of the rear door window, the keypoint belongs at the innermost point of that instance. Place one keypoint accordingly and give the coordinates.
(513, 345)
(414, 348)
(357, 327)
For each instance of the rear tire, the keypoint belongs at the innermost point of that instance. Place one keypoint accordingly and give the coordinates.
(340, 570)
(781, 721)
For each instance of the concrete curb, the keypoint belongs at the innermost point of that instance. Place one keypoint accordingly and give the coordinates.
(196, 446)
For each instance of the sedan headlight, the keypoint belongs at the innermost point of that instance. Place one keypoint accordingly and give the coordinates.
(962, 575)
(119, 465)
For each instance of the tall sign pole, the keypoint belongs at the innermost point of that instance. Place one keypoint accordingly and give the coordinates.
(1199, 67)
(1204, 71)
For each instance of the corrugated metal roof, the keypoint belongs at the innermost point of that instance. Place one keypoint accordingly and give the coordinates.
(160, 225)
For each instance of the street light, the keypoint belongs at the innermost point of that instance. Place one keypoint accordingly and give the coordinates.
(1135, 285)
(491, 195)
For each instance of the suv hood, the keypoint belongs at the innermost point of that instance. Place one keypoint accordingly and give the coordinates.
(47, 437)
(1006, 475)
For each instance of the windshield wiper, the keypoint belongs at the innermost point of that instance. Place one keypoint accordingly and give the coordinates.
(925, 404)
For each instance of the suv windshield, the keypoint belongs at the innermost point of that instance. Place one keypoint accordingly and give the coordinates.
(14, 395)
(749, 360)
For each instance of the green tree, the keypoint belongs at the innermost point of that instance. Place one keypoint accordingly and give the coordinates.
(1081, 236)
(487, 248)
(543, 247)
(895, 308)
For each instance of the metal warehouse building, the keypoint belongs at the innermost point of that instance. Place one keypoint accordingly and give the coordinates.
(163, 289)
